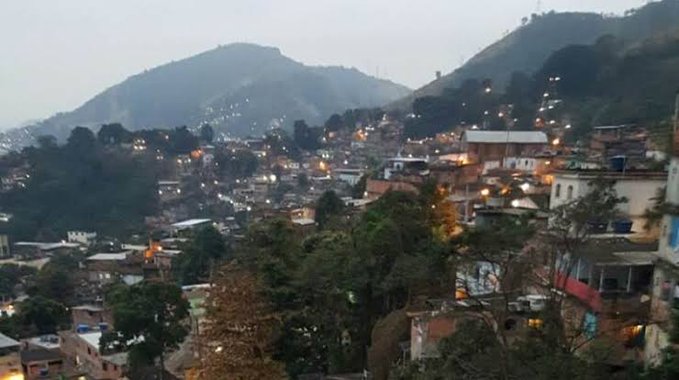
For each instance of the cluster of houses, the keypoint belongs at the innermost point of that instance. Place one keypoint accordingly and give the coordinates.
(624, 284)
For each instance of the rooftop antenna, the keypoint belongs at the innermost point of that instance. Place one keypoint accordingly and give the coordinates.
(538, 8)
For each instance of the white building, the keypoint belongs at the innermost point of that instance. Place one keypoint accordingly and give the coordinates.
(638, 188)
(349, 176)
(398, 164)
(665, 296)
(81, 237)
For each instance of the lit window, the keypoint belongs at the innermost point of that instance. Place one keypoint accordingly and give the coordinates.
(535, 323)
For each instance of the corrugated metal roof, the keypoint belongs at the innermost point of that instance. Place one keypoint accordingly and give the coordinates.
(7, 342)
(502, 137)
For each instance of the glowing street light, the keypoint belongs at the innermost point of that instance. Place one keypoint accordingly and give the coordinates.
(485, 192)
(556, 141)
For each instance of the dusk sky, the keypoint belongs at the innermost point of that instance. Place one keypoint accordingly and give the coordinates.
(55, 55)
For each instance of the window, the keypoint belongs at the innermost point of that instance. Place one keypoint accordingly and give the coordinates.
(104, 366)
(89, 351)
(569, 193)
(557, 193)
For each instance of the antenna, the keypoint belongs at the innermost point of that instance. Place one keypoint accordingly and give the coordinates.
(538, 8)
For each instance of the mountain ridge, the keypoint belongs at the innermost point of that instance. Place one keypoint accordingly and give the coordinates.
(526, 48)
(240, 88)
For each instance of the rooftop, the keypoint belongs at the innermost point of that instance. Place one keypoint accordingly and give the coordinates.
(303, 221)
(91, 338)
(108, 256)
(628, 175)
(190, 223)
(503, 137)
(92, 308)
(7, 342)
(46, 246)
(39, 355)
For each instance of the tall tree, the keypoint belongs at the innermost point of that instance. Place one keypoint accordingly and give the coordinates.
(238, 333)
(207, 134)
(150, 319)
(204, 251)
(329, 205)
(113, 134)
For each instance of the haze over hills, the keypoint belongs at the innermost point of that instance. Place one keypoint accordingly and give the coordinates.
(240, 88)
(529, 46)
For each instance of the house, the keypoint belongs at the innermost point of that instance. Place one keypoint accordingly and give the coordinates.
(406, 166)
(91, 317)
(40, 363)
(10, 360)
(665, 293)
(638, 187)
(81, 237)
(538, 165)
(616, 140)
(185, 226)
(108, 268)
(32, 250)
(82, 351)
(376, 188)
(482, 146)
(348, 175)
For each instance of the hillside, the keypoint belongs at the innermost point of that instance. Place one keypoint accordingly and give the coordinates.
(527, 48)
(610, 82)
(238, 88)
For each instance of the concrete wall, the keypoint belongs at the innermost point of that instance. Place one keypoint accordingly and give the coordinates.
(638, 189)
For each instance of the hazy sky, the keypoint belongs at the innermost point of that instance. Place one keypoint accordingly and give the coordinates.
(56, 54)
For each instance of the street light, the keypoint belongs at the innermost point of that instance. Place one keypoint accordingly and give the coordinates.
(485, 192)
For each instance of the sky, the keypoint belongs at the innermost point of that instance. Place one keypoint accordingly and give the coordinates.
(55, 55)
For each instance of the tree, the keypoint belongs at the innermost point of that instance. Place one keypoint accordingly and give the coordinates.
(329, 205)
(55, 283)
(12, 275)
(239, 329)
(113, 134)
(334, 123)
(150, 319)
(207, 134)
(81, 141)
(358, 190)
(441, 212)
(303, 181)
(80, 185)
(205, 249)
(182, 141)
(44, 315)
(305, 137)
(47, 142)
(239, 164)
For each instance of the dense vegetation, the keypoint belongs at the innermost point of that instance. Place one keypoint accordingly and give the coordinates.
(89, 183)
(528, 47)
(608, 83)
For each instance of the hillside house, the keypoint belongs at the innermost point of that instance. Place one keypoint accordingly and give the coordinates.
(482, 146)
